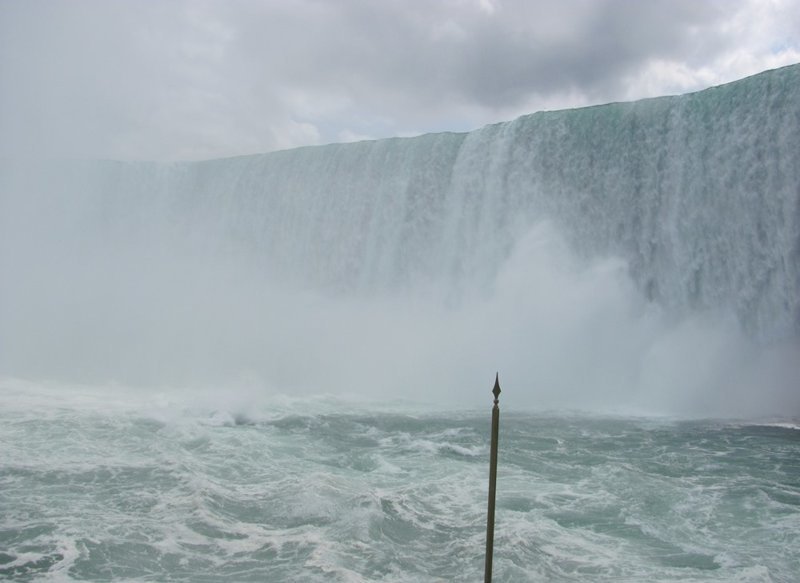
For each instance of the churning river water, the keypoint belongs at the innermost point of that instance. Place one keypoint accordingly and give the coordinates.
(119, 485)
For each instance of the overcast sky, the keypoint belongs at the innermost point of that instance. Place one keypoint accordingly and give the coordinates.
(193, 79)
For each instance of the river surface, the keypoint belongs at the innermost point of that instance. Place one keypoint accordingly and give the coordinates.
(113, 484)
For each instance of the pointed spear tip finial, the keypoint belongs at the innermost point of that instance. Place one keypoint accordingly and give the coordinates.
(496, 389)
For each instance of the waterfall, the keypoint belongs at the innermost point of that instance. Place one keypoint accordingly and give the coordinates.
(685, 205)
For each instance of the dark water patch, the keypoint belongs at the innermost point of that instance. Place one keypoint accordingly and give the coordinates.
(213, 531)
(293, 423)
(518, 503)
(782, 495)
(11, 537)
(602, 520)
(110, 476)
(106, 560)
(688, 560)
(242, 419)
(240, 508)
(32, 570)
(394, 525)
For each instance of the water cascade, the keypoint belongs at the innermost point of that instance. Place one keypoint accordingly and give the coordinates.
(640, 254)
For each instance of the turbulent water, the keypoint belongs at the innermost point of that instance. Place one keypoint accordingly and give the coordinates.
(166, 330)
(107, 486)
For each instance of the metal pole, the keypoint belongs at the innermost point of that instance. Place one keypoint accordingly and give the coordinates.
(492, 480)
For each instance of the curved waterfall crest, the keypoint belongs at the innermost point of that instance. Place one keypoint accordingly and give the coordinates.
(699, 194)
(694, 199)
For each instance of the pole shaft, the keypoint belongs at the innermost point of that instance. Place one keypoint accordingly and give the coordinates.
(492, 489)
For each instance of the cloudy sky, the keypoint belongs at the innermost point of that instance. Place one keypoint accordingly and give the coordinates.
(193, 79)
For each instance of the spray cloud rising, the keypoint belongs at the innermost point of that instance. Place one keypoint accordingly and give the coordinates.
(633, 257)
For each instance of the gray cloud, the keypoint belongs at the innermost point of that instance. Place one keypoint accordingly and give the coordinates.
(203, 78)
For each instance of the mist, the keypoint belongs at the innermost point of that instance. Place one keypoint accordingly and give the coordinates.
(102, 291)
(564, 334)
(631, 258)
